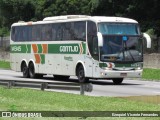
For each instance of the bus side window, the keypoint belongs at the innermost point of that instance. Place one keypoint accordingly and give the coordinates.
(92, 39)
(67, 31)
(29, 29)
(25, 33)
(38, 33)
(34, 33)
(48, 32)
(54, 32)
(13, 33)
(43, 32)
(80, 30)
(20, 34)
(59, 34)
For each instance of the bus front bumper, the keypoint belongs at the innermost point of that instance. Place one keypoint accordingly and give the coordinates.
(120, 74)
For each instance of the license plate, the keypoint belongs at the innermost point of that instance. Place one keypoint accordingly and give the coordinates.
(123, 74)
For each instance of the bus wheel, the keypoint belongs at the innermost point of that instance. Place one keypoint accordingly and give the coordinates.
(81, 75)
(25, 70)
(32, 70)
(117, 81)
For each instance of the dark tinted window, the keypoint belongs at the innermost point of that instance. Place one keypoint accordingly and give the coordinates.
(67, 31)
(34, 33)
(13, 34)
(80, 30)
(48, 32)
(92, 39)
(59, 31)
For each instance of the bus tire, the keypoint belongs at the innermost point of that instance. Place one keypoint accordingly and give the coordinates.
(32, 70)
(81, 75)
(25, 70)
(117, 81)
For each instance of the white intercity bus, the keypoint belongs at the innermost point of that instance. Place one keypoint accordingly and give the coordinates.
(89, 47)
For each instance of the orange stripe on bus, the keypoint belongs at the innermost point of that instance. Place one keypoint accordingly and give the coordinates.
(35, 48)
(45, 48)
(38, 58)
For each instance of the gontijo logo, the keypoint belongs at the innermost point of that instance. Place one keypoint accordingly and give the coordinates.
(68, 48)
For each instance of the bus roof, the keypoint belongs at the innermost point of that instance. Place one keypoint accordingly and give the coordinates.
(67, 18)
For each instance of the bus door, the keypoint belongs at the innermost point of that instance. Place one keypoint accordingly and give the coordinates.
(92, 40)
(95, 55)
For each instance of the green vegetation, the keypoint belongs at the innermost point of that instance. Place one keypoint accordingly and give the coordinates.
(19, 99)
(5, 64)
(151, 74)
(26, 10)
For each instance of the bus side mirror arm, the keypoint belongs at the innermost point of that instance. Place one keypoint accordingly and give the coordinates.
(148, 39)
(100, 39)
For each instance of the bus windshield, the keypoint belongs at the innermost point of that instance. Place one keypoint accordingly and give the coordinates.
(118, 48)
(119, 28)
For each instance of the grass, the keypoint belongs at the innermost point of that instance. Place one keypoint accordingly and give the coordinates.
(151, 74)
(5, 64)
(20, 99)
(29, 99)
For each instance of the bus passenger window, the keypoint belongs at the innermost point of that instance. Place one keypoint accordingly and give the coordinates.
(38, 33)
(48, 32)
(20, 32)
(33, 33)
(80, 30)
(59, 34)
(13, 33)
(24, 33)
(67, 31)
(54, 32)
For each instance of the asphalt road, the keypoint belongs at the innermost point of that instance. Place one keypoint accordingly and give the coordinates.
(129, 87)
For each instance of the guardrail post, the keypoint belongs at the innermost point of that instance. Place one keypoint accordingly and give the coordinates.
(9, 84)
(82, 88)
(43, 86)
(88, 87)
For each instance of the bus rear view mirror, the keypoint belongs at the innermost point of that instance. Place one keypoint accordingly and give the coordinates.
(100, 39)
(148, 39)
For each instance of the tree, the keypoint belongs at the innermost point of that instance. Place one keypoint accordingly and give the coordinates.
(61, 7)
(15, 10)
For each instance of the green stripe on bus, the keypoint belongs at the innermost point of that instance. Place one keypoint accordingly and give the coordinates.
(24, 48)
(52, 48)
(103, 65)
(42, 59)
(39, 48)
(84, 47)
(65, 48)
(28, 48)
